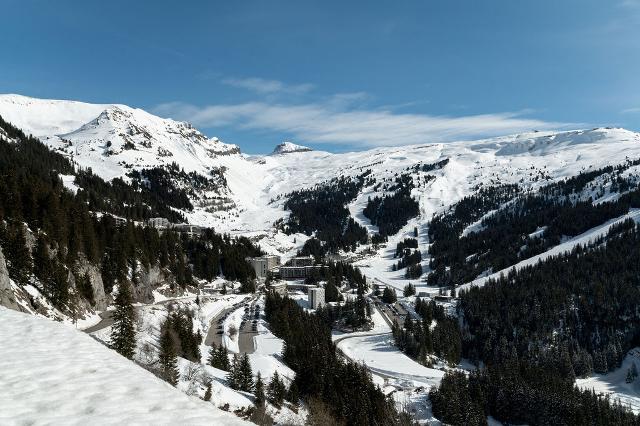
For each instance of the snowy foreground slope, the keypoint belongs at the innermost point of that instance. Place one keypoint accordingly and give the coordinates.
(51, 374)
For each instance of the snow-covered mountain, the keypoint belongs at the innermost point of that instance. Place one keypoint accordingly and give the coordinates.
(289, 147)
(114, 139)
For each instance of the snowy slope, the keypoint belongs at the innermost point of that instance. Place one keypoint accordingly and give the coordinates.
(615, 384)
(46, 117)
(52, 374)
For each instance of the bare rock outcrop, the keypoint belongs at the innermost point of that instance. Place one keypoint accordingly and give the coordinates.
(7, 296)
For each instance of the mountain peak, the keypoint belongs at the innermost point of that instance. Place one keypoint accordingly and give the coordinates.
(287, 147)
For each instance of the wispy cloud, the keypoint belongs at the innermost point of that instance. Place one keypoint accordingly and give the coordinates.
(629, 4)
(265, 87)
(631, 110)
(324, 122)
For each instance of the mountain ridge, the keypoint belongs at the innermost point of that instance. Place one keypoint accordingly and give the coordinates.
(250, 199)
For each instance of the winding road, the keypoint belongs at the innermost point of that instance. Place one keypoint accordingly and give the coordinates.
(246, 343)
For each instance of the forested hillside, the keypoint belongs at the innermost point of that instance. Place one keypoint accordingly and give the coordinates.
(539, 328)
(526, 225)
(47, 232)
(345, 388)
(323, 210)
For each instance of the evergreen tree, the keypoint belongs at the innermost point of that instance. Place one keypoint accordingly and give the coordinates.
(234, 376)
(632, 373)
(207, 393)
(276, 390)
(223, 358)
(293, 395)
(248, 286)
(409, 290)
(168, 358)
(123, 334)
(83, 284)
(258, 392)
(19, 259)
(42, 259)
(219, 357)
(331, 291)
(245, 375)
(212, 360)
(389, 295)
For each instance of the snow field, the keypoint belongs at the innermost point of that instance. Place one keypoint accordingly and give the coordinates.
(52, 374)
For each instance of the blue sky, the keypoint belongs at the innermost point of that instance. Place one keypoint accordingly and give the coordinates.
(335, 75)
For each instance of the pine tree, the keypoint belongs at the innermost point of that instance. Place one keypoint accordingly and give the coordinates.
(207, 393)
(331, 291)
(258, 391)
(212, 355)
(632, 373)
(409, 290)
(248, 286)
(83, 284)
(42, 259)
(168, 358)
(276, 390)
(389, 295)
(293, 395)
(18, 256)
(123, 334)
(223, 358)
(234, 374)
(219, 357)
(246, 375)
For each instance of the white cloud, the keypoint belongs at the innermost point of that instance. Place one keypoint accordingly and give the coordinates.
(629, 3)
(631, 110)
(262, 86)
(323, 123)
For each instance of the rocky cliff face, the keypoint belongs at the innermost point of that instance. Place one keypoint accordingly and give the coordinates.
(151, 279)
(95, 278)
(7, 297)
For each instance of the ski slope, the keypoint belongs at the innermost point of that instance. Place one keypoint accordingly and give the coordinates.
(52, 374)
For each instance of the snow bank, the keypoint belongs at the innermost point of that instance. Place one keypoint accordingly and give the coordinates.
(52, 374)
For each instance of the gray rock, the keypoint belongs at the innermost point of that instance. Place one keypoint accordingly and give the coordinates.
(7, 297)
(93, 273)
